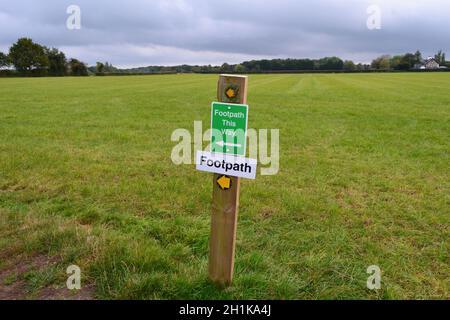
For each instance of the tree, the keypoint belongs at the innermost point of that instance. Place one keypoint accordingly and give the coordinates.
(100, 67)
(77, 68)
(110, 68)
(418, 56)
(239, 68)
(395, 62)
(226, 68)
(330, 63)
(349, 65)
(382, 63)
(27, 56)
(4, 60)
(440, 57)
(408, 61)
(57, 61)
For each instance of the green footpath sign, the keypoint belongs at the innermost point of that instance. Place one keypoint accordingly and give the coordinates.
(229, 128)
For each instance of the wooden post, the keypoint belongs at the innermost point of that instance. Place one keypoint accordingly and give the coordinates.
(225, 203)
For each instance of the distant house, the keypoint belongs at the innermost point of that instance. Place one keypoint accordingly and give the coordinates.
(428, 64)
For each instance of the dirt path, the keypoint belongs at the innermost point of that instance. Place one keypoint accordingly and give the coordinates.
(13, 285)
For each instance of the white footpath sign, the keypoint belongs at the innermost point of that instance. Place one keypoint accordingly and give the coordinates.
(230, 165)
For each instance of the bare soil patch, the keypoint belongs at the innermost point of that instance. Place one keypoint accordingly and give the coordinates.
(13, 286)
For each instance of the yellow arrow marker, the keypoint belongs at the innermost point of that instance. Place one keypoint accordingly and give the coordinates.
(230, 93)
(224, 182)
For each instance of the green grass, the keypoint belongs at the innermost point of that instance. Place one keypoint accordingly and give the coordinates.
(86, 175)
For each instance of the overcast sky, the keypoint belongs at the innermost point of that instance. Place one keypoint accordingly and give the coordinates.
(168, 32)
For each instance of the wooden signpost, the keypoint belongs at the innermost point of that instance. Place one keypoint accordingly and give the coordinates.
(226, 159)
(225, 202)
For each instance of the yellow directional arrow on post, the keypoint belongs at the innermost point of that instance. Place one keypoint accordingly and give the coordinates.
(224, 182)
(230, 93)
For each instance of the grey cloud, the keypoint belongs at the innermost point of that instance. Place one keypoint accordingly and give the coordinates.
(137, 32)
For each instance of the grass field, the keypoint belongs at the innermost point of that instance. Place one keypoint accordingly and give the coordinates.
(86, 178)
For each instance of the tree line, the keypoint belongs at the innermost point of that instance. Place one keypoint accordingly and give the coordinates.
(399, 62)
(255, 66)
(30, 58)
(407, 61)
